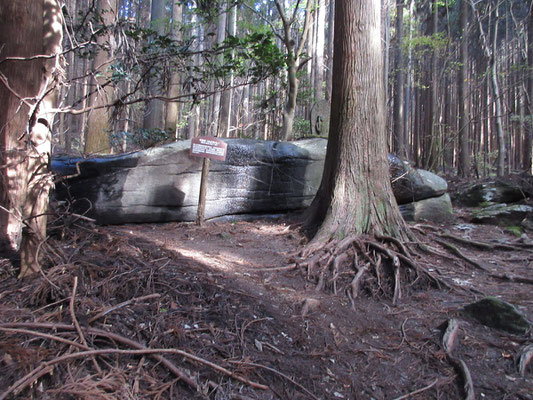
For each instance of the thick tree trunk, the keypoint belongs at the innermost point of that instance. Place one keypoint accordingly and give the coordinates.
(25, 126)
(355, 195)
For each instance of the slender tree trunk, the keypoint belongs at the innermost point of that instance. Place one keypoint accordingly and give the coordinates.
(399, 83)
(227, 95)
(329, 77)
(25, 128)
(528, 142)
(463, 166)
(154, 110)
(98, 124)
(320, 47)
(355, 195)
(172, 109)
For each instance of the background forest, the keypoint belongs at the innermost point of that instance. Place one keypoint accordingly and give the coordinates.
(141, 72)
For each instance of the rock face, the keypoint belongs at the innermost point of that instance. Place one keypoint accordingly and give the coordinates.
(162, 184)
(436, 209)
(411, 184)
(480, 194)
(498, 314)
(503, 214)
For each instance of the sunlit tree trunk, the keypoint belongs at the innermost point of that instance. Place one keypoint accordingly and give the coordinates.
(294, 62)
(172, 109)
(155, 109)
(98, 123)
(25, 126)
(227, 95)
(355, 195)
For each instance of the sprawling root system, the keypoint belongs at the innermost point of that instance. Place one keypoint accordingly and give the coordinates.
(380, 266)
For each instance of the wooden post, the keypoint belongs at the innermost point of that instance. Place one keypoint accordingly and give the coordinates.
(203, 191)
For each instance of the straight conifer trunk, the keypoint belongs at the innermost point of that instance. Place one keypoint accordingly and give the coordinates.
(355, 196)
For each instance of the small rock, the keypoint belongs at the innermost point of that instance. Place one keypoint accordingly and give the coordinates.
(496, 313)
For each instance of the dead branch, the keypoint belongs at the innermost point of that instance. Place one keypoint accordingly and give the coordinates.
(406, 396)
(141, 349)
(512, 278)
(48, 366)
(123, 304)
(277, 373)
(77, 325)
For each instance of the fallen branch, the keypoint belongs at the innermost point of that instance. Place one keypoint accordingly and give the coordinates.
(76, 324)
(123, 304)
(277, 373)
(406, 396)
(512, 278)
(47, 366)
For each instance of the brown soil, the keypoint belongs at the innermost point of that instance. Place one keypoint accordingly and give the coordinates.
(220, 292)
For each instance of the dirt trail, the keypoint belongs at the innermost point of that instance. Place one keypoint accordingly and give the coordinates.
(225, 296)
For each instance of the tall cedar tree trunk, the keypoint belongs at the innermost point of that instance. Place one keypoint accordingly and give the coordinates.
(98, 122)
(355, 195)
(399, 83)
(462, 93)
(27, 30)
(528, 143)
(154, 110)
(171, 115)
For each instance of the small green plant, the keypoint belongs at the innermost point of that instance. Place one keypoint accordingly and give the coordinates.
(515, 230)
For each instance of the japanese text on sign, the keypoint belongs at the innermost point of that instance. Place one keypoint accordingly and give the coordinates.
(208, 147)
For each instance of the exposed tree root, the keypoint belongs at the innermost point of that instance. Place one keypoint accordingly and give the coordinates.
(525, 359)
(448, 342)
(381, 265)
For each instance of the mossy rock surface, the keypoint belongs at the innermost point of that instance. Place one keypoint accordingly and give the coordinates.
(496, 313)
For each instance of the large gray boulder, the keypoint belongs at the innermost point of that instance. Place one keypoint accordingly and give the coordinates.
(162, 183)
(503, 214)
(258, 177)
(409, 184)
(497, 191)
(436, 209)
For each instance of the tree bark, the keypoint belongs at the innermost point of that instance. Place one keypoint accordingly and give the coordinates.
(528, 142)
(462, 92)
(98, 124)
(227, 95)
(355, 195)
(294, 63)
(398, 115)
(154, 110)
(25, 125)
(172, 110)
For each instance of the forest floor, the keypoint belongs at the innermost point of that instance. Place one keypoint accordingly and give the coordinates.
(150, 311)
